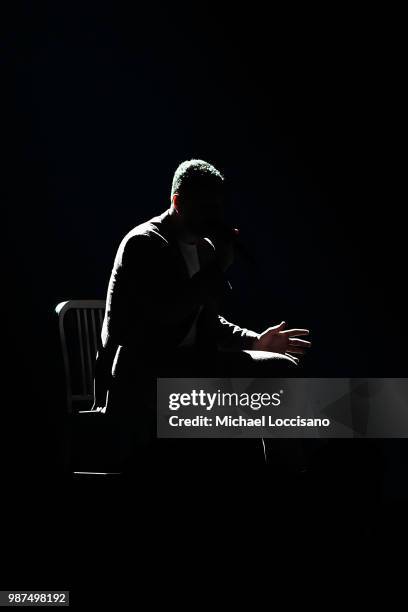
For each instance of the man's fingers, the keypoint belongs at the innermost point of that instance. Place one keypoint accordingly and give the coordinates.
(297, 350)
(296, 332)
(277, 328)
(296, 359)
(301, 343)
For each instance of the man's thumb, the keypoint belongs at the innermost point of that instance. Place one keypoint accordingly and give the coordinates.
(282, 324)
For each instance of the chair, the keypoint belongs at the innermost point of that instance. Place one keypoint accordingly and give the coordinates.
(80, 337)
(80, 323)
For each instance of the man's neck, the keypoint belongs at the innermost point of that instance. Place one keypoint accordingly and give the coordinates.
(182, 233)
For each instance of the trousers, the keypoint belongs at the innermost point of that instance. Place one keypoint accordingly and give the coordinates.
(131, 409)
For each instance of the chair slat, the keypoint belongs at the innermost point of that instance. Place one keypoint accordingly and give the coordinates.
(101, 313)
(94, 335)
(81, 351)
(88, 372)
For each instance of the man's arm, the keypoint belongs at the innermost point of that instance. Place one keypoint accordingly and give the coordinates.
(102, 375)
(233, 337)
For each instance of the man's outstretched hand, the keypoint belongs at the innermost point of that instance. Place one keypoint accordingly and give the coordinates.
(277, 339)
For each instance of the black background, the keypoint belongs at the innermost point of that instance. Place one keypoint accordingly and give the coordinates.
(300, 107)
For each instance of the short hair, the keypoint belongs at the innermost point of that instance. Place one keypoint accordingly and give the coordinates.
(194, 176)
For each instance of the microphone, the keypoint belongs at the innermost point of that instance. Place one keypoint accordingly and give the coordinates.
(231, 234)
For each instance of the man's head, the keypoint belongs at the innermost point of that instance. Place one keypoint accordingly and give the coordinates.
(197, 196)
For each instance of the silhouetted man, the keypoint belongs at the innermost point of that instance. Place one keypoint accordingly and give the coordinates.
(163, 316)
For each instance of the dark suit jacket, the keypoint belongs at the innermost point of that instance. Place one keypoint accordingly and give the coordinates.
(152, 302)
(150, 306)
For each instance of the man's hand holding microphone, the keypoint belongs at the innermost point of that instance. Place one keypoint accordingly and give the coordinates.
(277, 338)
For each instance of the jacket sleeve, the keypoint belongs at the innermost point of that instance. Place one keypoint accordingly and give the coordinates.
(233, 337)
(102, 375)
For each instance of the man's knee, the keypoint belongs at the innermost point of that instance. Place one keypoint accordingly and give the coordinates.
(268, 356)
(266, 363)
(287, 360)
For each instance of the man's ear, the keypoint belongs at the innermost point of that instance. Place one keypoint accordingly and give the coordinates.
(175, 201)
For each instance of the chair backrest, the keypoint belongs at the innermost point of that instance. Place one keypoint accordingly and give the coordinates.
(80, 323)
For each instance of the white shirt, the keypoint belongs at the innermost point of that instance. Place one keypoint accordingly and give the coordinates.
(190, 255)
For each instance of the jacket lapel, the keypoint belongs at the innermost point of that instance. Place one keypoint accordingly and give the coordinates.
(206, 322)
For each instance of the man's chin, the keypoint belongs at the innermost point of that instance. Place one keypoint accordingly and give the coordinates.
(202, 231)
(208, 229)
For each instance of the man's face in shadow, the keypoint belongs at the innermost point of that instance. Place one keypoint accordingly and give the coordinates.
(201, 213)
